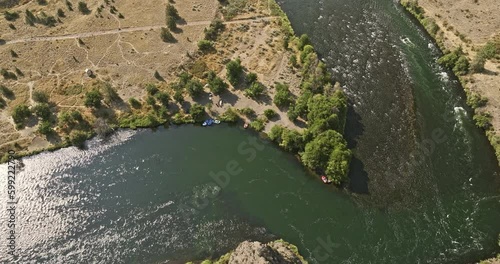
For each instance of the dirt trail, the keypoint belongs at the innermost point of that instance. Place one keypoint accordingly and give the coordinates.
(126, 30)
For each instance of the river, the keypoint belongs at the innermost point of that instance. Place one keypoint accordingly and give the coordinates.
(424, 181)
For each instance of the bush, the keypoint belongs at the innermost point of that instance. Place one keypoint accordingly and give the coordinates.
(20, 113)
(171, 23)
(483, 120)
(490, 50)
(134, 103)
(77, 138)
(93, 99)
(234, 71)
(475, 100)
(151, 89)
(194, 88)
(328, 153)
(45, 128)
(217, 85)
(258, 124)
(303, 41)
(83, 8)
(197, 112)
(251, 78)
(40, 97)
(230, 116)
(60, 13)
(6, 91)
(461, 65)
(283, 96)
(8, 75)
(270, 113)
(42, 111)
(163, 97)
(308, 49)
(205, 45)
(247, 111)
(171, 11)
(255, 90)
(178, 97)
(166, 36)
(213, 31)
(150, 100)
(477, 64)
(10, 16)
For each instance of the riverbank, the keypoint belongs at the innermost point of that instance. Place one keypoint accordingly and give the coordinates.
(468, 36)
(243, 55)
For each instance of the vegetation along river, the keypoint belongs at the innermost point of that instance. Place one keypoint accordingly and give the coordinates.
(424, 182)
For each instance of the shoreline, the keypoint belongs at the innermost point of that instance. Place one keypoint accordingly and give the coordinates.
(274, 76)
(481, 105)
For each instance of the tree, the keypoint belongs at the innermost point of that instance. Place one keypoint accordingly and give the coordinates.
(42, 111)
(303, 41)
(178, 97)
(328, 153)
(77, 138)
(45, 128)
(251, 78)
(230, 116)
(255, 90)
(205, 45)
(171, 23)
(163, 97)
(93, 99)
(283, 96)
(60, 13)
(134, 103)
(477, 64)
(83, 8)
(6, 91)
(150, 100)
(461, 65)
(171, 11)
(197, 112)
(151, 89)
(40, 97)
(166, 36)
(270, 113)
(20, 113)
(217, 85)
(291, 140)
(194, 88)
(275, 133)
(213, 31)
(234, 71)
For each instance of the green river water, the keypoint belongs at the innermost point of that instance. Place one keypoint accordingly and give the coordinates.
(424, 181)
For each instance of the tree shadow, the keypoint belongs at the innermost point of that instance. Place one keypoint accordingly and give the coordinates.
(2, 42)
(228, 97)
(353, 127)
(186, 106)
(488, 72)
(358, 177)
(203, 99)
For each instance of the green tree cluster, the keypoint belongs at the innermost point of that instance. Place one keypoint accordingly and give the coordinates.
(234, 71)
(93, 99)
(197, 112)
(172, 15)
(283, 96)
(20, 113)
(230, 116)
(216, 84)
(456, 61)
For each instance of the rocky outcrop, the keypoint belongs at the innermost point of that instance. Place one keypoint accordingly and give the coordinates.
(276, 252)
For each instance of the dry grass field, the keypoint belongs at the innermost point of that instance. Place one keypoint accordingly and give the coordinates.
(120, 42)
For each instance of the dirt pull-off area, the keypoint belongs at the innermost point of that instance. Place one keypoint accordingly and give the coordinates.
(471, 24)
(120, 43)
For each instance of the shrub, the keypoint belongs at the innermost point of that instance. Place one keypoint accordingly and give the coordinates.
(83, 8)
(255, 90)
(6, 91)
(251, 78)
(283, 96)
(194, 88)
(205, 45)
(197, 112)
(10, 16)
(42, 111)
(230, 116)
(166, 36)
(258, 124)
(178, 97)
(40, 97)
(60, 13)
(150, 100)
(303, 41)
(134, 103)
(475, 100)
(308, 49)
(483, 120)
(8, 75)
(20, 113)
(270, 113)
(490, 50)
(163, 97)
(13, 54)
(275, 133)
(477, 64)
(151, 89)
(213, 31)
(234, 71)
(217, 85)
(45, 128)
(93, 99)
(449, 59)
(461, 65)
(247, 111)
(77, 138)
